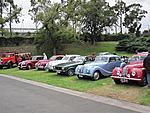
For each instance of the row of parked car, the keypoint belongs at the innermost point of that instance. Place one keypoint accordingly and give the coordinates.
(104, 65)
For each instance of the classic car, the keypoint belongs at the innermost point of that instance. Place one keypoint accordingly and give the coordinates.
(42, 63)
(102, 66)
(132, 71)
(69, 67)
(29, 64)
(50, 66)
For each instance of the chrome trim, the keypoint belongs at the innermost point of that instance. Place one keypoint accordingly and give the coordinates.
(117, 77)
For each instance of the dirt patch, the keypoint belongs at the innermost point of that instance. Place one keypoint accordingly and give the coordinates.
(120, 92)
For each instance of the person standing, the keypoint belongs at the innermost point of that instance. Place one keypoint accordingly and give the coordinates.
(146, 64)
(45, 56)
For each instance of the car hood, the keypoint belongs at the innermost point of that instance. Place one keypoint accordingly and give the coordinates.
(95, 64)
(138, 65)
(68, 64)
(43, 61)
(54, 63)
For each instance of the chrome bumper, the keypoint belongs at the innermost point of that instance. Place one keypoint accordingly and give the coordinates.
(125, 78)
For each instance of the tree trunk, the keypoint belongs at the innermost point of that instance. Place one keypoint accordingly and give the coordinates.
(54, 51)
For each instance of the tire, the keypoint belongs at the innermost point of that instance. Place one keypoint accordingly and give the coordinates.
(1, 67)
(28, 67)
(10, 65)
(47, 70)
(96, 76)
(70, 72)
(143, 82)
(117, 81)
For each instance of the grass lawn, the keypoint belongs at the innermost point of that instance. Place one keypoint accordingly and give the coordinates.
(104, 87)
(87, 49)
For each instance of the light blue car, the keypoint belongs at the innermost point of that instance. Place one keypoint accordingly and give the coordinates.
(102, 66)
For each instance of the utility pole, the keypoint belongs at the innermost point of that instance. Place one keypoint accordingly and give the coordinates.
(10, 22)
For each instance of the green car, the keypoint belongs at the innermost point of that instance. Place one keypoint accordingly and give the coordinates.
(69, 67)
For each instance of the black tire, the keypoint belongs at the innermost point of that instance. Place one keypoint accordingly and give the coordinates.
(96, 76)
(10, 65)
(1, 67)
(70, 72)
(28, 67)
(143, 82)
(117, 81)
(47, 70)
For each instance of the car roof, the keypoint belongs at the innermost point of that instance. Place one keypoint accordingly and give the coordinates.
(71, 55)
(109, 55)
(38, 56)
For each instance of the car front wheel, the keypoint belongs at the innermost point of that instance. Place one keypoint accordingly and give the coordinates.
(117, 81)
(29, 67)
(143, 82)
(96, 76)
(70, 72)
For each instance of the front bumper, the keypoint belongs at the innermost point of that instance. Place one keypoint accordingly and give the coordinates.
(126, 78)
(83, 74)
(22, 67)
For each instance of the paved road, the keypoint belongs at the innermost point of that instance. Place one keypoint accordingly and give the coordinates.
(19, 97)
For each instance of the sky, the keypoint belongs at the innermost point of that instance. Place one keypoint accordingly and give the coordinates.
(26, 22)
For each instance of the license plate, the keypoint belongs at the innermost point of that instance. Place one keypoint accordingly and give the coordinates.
(124, 80)
(58, 71)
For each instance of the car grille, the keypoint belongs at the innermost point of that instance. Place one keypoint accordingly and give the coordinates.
(58, 68)
(125, 71)
(81, 70)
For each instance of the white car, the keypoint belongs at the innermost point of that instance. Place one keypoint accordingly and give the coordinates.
(50, 66)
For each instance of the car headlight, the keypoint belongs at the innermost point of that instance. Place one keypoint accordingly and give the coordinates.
(87, 71)
(133, 73)
(63, 68)
(23, 63)
(118, 73)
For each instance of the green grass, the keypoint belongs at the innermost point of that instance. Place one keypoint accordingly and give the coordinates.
(87, 49)
(57, 80)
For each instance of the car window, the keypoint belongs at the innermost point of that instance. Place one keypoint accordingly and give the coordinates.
(39, 58)
(112, 59)
(65, 58)
(71, 58)
(79, 59)
(59, 58)
(118, 59)
(101, 58)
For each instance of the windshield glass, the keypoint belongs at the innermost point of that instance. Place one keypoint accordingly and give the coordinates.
(34, 58)
(137, 58)
(53, 57)
(101, 59)
(77, 59)
(65, 58)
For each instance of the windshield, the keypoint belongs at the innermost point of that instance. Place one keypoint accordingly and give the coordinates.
(34, 58)
(101, 59)
(53, 57)
(77, 59)
(65, 58)
(137, 58)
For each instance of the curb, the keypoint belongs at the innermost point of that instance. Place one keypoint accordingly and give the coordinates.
(101, 99)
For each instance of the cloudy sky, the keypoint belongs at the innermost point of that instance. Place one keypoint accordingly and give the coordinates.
(28, 23)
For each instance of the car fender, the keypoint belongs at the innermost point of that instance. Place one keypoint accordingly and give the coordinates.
(101, 70)
(115, 70)
(140, 72)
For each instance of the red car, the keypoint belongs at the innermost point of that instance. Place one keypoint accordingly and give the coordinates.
(29, 64)
(7, 59)
(133, 71)
(42, 63)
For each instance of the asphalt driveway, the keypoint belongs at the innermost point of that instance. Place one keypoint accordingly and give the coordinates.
(20, 97)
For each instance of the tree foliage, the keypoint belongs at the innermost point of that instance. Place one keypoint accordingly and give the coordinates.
(96, 16)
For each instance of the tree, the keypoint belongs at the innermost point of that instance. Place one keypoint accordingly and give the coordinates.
(12, 12)
(96, 16)
(55, 28)
(120, 10)
(134, 14)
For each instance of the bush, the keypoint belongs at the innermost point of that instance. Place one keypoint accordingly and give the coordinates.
(134, 44)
